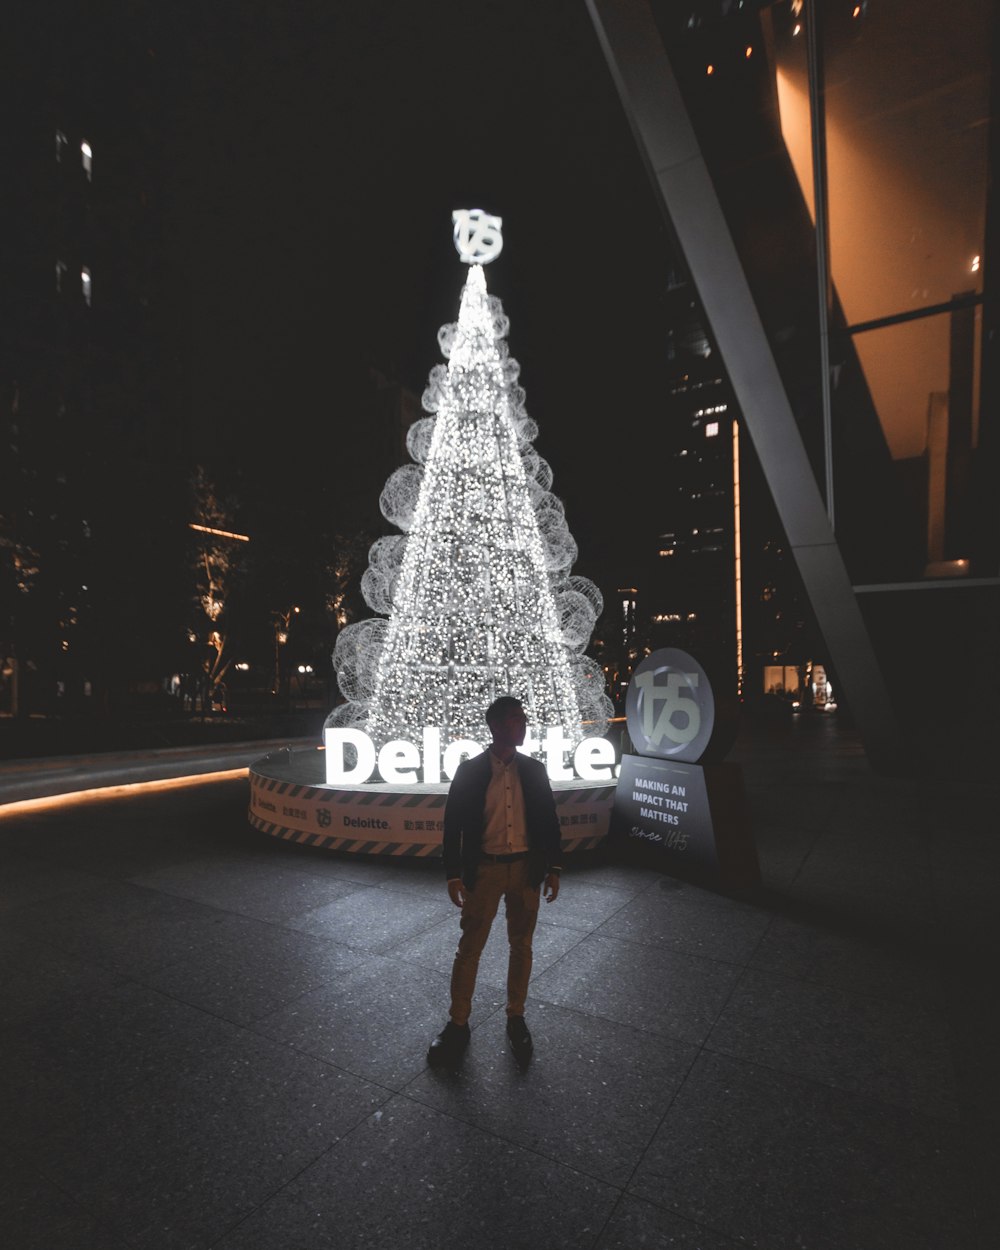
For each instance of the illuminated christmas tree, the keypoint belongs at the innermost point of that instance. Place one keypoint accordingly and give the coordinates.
(477, 588)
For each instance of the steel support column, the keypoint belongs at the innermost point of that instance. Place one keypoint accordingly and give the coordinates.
(667, 143)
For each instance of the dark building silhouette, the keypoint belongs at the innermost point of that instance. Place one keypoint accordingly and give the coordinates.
(90, 411)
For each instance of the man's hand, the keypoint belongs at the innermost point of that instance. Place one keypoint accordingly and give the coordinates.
(457, 891)
(551, 889)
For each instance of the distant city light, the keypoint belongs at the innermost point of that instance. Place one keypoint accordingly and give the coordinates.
(711, 429)
(710, 69)
(243, 667)
(749, 52)
(975, 264)
(797, 30)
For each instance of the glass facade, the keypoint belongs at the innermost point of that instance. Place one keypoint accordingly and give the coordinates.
(829, 170)
(849, 144)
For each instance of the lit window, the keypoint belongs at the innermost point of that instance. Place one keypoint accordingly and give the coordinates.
(87, 156)
(60, 274)
(711, 429)
(61, 142)
(667, 551)
(86, 286)
(975, 264)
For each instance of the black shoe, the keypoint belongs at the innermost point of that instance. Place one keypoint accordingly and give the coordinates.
(519, 1037)
(449, 1044)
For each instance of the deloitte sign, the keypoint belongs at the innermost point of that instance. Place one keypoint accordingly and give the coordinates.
(351, 757)
(678, 804)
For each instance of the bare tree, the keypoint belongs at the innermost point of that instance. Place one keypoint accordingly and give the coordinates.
(217, 563)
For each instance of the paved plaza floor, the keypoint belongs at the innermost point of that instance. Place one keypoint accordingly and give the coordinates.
(214, 1039)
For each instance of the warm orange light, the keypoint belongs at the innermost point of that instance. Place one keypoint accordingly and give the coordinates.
(738, 559)
(857, 11)
(749, 51)
(207, 529)
(797, 30)
(710, 69)
(117, 792)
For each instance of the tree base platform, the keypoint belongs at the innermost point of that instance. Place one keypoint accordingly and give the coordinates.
(290, 799)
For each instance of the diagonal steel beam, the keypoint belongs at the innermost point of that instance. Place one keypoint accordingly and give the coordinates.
(666, 140)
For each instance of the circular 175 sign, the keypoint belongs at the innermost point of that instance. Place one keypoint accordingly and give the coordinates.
(671, 710)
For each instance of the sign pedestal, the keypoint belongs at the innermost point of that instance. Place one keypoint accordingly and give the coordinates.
(686, 819)
(677, 806)
(290, 799)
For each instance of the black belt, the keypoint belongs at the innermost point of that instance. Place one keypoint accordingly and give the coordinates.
(505, 859)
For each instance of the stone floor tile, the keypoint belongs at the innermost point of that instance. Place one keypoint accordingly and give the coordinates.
(648, 987)
(591, 1095)
(251, 970)
(372, 919)
(851, 961)
(638, 1225)
(885, 896)
(120, 926)
(25, 880)
(585, 903)
(36, 1215)
(65, 1060)
(685, 918)
(774, 1161)
(436, 949)
(377, 1023)
(609, 870)
(261, 889)
(897, 1052)
(179, 1159)
(34, 974)
(441, 1185)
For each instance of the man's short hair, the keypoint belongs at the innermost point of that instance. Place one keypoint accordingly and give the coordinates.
(502, 707)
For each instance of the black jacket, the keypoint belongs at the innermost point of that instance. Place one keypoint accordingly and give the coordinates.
(465, 818)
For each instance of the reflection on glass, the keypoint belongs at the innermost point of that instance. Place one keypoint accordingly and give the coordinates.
(923, 380)
(906, 132)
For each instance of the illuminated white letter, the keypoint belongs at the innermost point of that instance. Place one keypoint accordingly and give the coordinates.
(594, 759)
(432, 754)
(531, 744)
(555, 747)
(337, 771)
(463, 749)
(398, 762)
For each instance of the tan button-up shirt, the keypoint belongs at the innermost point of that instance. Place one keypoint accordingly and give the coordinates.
(505, 831)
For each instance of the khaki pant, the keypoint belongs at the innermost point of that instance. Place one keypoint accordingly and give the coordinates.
(493, 882)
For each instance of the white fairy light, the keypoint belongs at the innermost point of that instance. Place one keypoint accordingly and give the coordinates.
(478, 592)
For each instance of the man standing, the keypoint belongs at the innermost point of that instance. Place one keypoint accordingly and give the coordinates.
(501, 840)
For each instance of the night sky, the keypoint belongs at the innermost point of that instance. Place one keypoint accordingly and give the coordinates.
(320, 151)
